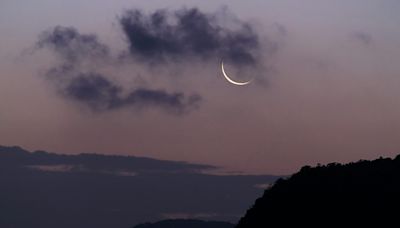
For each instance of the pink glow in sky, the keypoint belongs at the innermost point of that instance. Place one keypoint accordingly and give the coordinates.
(329, 93)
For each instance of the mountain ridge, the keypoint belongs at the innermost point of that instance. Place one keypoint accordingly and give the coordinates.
(359, 194)
(41, 189)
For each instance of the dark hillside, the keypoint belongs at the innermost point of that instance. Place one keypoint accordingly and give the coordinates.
(358, 194)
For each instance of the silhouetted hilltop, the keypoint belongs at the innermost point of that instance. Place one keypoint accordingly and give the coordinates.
(359, 194)
(185, 223)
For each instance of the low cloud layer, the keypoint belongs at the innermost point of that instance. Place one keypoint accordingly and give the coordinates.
(187, 33)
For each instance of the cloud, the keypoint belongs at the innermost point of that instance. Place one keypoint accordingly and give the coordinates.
(99, 93)
(94, 89)
(189, 33)
(86, 64)
(365, 38)
(72, 46)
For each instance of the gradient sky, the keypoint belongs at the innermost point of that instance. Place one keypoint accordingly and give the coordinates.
(328, 93)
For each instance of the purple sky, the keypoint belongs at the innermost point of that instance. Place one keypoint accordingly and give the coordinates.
(326, 85)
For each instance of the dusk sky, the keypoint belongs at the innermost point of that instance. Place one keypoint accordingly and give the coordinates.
(143, 78)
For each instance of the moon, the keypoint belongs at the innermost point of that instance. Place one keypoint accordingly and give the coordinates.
(230, 80)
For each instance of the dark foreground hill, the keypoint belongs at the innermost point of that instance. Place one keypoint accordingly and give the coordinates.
(366, 193)
(185, 223)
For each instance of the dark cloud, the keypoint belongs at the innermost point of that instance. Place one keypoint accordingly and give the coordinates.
(72, 46)
(365, 38)
(187, 33)
(159, 37)
(94, 89)
(101, 94)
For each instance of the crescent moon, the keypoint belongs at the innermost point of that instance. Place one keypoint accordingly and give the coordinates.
(230, 80)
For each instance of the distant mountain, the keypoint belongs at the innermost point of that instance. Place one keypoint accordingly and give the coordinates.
(362, 194)
(185, 223)
(47, 190)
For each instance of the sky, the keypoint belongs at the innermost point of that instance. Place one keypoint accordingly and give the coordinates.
(143, 78)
